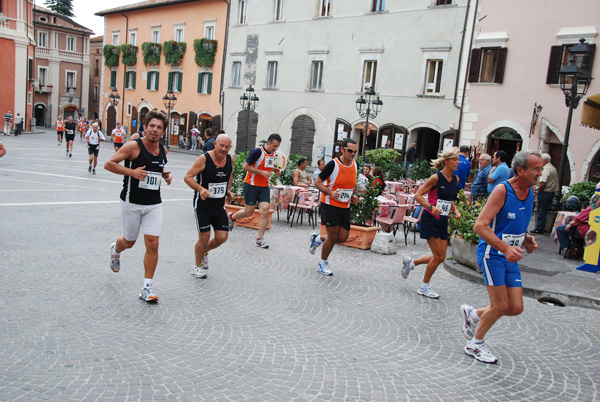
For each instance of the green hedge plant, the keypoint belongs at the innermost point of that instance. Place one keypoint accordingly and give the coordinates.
(174, 52)
(205, 50)
(463, 227)
(151, 53)
(111, 55)
(129, 54)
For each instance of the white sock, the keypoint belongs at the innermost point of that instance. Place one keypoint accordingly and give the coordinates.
(323, 260)
(318, 240)
(424, 285)
(474, 315)
(147, 282)
(114, 251)
(477, 341)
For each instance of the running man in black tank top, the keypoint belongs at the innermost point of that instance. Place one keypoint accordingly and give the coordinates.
(210, 178)
(141, 205)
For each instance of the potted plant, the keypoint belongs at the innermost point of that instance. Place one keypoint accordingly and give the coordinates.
(129, 54)
(205, 50)
(362, 215)
(151, 52)
(583, 190)
(111, 55)
(464, 238)
(174, 52)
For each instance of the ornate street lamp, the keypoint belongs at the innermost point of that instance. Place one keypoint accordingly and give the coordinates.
(368, 108)
(575, 80)
(249, 101)
(169, 101)
(113, 99)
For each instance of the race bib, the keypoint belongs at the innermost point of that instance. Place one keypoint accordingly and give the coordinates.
(269, 161)
(69, 131)
(152, 181)
(345, 195)
(513, 240)
(444, 205)
(217, 190)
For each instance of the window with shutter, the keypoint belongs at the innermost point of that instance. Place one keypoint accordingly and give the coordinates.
(179, 81)
(487, 65)
(113, 79)
(209, 83)
(170, 82)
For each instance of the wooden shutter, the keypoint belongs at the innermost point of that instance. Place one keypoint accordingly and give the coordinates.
(156, 74)
(216, 123)
(475, 64)
(209, 83)
(133, 78)
(170, 83)
(303, 137)
(554, 64)
(148, 80)
(588, 62)
(179, 82)
(500, 65)
(241, 131)
(200, 83)
(113, 79)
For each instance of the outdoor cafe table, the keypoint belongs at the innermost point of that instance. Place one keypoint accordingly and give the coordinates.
(282, 195)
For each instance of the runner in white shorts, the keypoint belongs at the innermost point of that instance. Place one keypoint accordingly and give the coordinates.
(141, 205)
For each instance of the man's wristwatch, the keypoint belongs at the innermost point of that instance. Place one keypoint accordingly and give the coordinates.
(429, 207)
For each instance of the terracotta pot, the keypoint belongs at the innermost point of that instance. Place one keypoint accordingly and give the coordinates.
(251, 221)
(359, 237)
(465, 253)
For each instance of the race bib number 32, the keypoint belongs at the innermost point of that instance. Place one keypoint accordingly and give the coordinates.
(217, 190)
(152, 181)
(513, 240)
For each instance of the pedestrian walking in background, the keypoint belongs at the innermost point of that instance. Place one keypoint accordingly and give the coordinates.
(195, 134)
(500, 248)
(18, 124)
(547, 186)
(411, 157)
(441, 189)
(8, 119)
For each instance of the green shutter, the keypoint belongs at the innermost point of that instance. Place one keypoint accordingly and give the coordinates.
(170, 83)
(133, 80)
(179, 82)
(199, 83)
(148, 79)
(113, 79)
(157, 74)
(209, 84)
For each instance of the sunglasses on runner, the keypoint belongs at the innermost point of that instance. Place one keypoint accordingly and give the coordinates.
(352, 151)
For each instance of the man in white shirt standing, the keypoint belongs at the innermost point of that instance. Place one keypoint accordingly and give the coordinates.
(93, 138)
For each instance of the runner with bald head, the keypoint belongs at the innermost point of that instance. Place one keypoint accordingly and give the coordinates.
(210, 178)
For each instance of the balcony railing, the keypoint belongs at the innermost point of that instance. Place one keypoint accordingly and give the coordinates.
(45, 89)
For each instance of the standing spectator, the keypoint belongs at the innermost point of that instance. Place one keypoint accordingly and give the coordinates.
(194, 132)
(320, 166)
(500, 172)
(547, 186)
(411, 156)
(388, 144)
(464, 167)
(8, 118)
(479, 186)
(209, 145)
(18, 124)
(60, 126)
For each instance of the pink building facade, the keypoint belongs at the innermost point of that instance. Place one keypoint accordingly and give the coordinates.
(517, 50)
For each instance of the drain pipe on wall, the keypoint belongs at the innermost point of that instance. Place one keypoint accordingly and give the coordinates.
(222, 100)
(462, 44)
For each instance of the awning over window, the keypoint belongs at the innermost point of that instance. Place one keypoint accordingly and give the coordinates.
(590, 116)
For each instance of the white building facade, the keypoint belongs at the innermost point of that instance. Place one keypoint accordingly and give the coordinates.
(309, 61)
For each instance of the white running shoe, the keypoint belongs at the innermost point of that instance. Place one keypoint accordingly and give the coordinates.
(230, 221)
(469, 326)
(324, 268)
(480, 352)
(205, 261)
(407, 265)
(427, 291)
(115, 262)
(147, 294)
(312, 248)
(199, 272)
(262, 243)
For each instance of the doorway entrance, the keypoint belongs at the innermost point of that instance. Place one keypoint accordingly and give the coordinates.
(507, 140)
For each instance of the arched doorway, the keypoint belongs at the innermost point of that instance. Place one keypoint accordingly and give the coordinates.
(142, 116)
(111, 118)
(428, 143)
(505, 139)
(246, 131)
(341, 131)
(204, 121)
(303, 137)
(69, 110)
(40, 115)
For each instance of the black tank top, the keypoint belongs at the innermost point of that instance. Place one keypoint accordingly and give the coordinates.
(133, 191)
(215, 179)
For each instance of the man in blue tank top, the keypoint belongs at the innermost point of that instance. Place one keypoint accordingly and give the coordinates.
(141, 204)
(502, 228)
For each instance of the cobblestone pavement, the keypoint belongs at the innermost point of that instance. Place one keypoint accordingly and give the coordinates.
(264, 326)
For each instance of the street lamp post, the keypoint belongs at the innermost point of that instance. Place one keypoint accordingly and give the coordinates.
(249, 101)
(113, 100)
(169, 100)
(574, 82)
(368, 108)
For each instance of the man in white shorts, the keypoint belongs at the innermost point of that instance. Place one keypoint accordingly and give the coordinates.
(141, 205)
